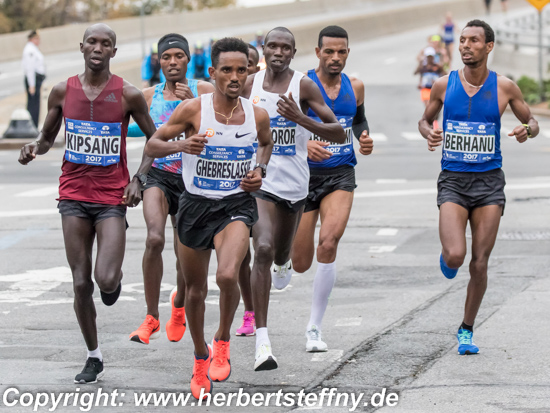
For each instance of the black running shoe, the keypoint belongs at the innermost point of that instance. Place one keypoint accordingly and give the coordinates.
(110, 298)
(92, 371)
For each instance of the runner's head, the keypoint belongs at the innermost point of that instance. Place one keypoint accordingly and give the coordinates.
(174, 55)
(253, 59)
(34, 37)
(279, 49)
(332, 50)
(98, 46)
(476, 42)
(229, 66)
(429, 54)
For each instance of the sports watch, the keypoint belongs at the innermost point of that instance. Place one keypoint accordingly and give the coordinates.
(528, 129)
(142, 178)
(263, 167)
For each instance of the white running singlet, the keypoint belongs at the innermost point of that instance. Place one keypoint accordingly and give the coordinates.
(288, 172)
(225, 160)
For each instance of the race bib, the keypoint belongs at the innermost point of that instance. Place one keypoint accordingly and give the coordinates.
(283, 133)
(472, 142)
(222, 168)
(338, 149)
(92, 143)
(170, 158)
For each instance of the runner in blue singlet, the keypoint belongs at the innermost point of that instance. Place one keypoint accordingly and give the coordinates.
(163, 186)
(471, 184)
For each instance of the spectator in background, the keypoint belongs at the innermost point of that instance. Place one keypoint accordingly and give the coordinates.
(151, 74)
(258, 43)
(448, 30)
(35, 73)
(199, 64)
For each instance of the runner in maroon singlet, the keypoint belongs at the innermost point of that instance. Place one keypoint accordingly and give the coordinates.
(94, 187)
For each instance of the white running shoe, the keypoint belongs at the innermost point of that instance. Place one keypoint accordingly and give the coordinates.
(314, 343)
(281, 275)
(265, 360)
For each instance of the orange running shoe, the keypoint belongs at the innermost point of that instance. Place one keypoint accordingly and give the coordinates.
(200, 381)
(175, 327)
(148, 330)
(220, 370)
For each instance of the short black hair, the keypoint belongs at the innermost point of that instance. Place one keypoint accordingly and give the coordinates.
(227, 44)
(489, 33)
(332, 31)
(32, 34)
(281, 29)
(252, 48)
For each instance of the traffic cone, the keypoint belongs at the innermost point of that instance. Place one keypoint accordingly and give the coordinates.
(21, 126)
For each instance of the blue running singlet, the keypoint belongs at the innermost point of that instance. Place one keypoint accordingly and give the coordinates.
(471, 127)
(345, 109)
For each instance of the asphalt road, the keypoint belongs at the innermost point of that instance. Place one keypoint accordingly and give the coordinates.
(392, 315)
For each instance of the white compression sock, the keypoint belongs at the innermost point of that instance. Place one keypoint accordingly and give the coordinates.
(324, 280)
(262, 337)
(96, 354)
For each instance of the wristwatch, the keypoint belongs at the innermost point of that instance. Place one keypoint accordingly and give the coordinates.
(142, 178)
(528, 128)
(263, 167)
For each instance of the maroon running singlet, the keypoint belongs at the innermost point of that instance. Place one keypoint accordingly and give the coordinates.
(94, 165)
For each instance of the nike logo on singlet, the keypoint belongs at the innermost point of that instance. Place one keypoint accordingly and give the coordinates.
(240, 136)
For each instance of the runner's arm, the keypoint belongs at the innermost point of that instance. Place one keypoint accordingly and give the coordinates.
(522, 112)
(51, 126)
(329, 129)
(181, 120)
(133, 129)
(253, 180)
(360, 125)
(425, 125)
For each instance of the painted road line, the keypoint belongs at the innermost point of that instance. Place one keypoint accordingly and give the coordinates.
(412, 136)
(387, 232)
(390, 181)
(330, 356)
(28, 213)
(45, 191)
(379, 249)
(379, 137)
(349, 322)
(14, 238)
(32, 284)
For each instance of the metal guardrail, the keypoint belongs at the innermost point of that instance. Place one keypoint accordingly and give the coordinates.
(522, 31)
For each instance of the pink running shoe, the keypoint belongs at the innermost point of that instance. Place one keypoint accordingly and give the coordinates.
(249, 325)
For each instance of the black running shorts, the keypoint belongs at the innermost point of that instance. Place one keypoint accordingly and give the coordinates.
(325, 181)
(200, 219)
(292, 207)
(88, 210)
(472, 190)
(170, 183)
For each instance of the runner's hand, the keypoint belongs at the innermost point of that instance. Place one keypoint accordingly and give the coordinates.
(520, 133)
(193, 145)
(28, 153)
(287, 107)
(252, 182)
(132, 194)
(366, 144)
(316, 151)
(435, 138)
(183, 91)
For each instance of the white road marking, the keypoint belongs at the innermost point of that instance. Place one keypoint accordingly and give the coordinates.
(546, 133)
(135, 145)
(378, 249)
(45, 191)
(349, 322)
(6, 312)
(387, 232)
(390, 60)
(391, 181)
(56, 164)
(329, 356)
(33, 284)
(28, 213)
(378, 137)
(412, 136)
(14, 238)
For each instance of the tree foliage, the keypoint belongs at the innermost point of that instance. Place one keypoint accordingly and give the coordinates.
(20, 15)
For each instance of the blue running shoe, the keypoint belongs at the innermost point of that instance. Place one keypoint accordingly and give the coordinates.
(449, 273)
(466, 343)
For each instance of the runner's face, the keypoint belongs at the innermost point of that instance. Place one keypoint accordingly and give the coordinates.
(333, 55)
(252, 62)
(230, 74)
(173, 63)
(98, 49)
(472, 47)
(279, 51)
